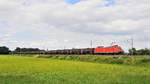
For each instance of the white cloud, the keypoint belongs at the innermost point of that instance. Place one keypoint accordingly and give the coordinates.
(60, 24)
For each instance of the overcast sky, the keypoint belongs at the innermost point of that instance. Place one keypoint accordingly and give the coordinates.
(55, 24)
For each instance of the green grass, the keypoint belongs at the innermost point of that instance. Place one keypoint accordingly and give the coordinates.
(32, 70)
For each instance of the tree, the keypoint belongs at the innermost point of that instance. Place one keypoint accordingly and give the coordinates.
(143, 52)
(4, 50)
(133, 51)
(17, 49)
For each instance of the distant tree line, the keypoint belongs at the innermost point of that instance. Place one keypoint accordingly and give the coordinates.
(134, 51)
(19, 50)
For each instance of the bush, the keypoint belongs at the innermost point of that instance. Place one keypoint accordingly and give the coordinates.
(145, 60)
(98, 59)
(120, 60)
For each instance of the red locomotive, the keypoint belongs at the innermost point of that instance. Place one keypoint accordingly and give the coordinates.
(115, 49)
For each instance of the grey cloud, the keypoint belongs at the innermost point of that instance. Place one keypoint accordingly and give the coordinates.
(86, 20)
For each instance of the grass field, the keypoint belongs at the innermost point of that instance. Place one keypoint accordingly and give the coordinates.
(32, 70)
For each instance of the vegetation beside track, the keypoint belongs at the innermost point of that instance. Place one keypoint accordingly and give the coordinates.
(55, 70)
(110, 59)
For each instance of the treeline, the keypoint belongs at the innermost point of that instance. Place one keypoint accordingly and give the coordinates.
(135, 51)
(18, 50)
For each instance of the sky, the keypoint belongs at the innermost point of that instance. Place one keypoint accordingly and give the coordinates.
(72, 1)
(58, 24)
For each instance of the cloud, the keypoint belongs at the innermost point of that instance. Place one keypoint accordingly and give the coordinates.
(55, 23)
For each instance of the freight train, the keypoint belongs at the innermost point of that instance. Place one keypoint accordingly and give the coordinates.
(115, 49)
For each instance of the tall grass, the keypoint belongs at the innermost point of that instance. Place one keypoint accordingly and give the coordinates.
(128, 60)
(31, 70)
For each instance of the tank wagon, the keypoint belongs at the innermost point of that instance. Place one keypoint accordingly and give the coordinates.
(72, 51)
(115, 49)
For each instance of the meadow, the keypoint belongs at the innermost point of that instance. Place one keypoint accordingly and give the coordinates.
(74, 70)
